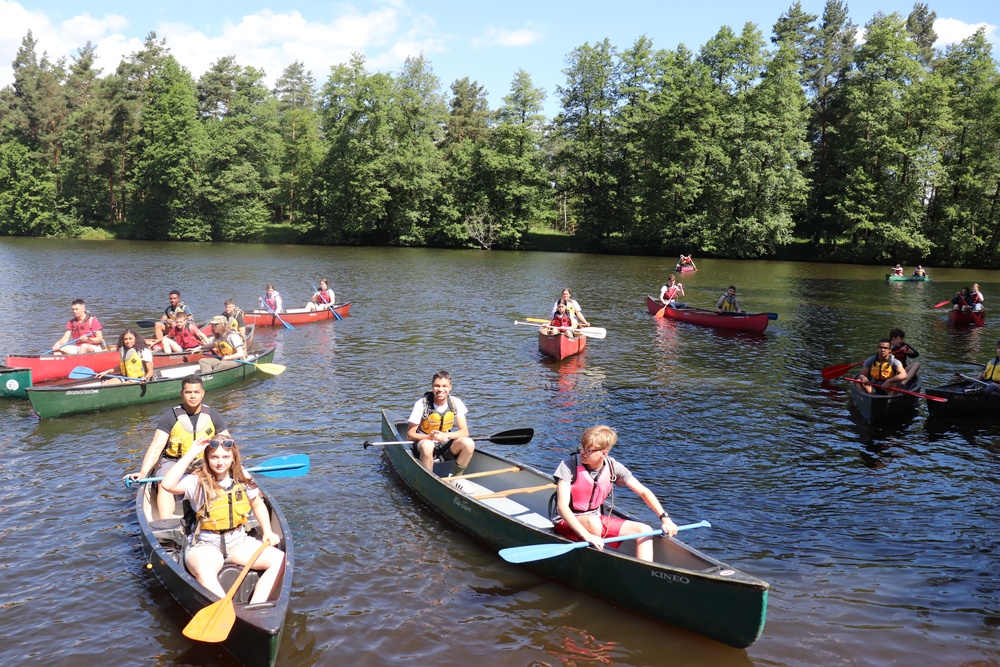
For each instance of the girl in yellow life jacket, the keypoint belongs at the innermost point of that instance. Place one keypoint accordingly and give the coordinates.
(992, 371)
(135, 358)
(224, 495)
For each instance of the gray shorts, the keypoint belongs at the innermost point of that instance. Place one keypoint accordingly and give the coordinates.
(207, 539)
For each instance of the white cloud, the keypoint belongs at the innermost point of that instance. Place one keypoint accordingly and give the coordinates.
(266, 39)
(952, 31)
(510, 38)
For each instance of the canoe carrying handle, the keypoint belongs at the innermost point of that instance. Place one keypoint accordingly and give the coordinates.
(482, 474)
(511, 492)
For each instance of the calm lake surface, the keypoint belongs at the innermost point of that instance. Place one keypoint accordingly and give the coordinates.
(880, 544)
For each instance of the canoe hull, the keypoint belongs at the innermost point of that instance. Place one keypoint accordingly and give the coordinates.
(889, 278)
(294, 316)
(755, 323)
(46, 367)
(559, 346)
(880, 408)
(965, 316)
(685, 269)
(256, 635)
(14, 382)
(91, 396)
(965, 399)
(686, 588)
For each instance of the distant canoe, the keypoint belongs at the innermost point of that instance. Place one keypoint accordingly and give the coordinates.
(46, 367)
(906, 279)
(687, 268)
(293, 316)
(966, 317)
(559, 346)
(751, 323)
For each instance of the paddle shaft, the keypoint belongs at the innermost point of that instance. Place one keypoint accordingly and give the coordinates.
(590, 332)
(939, 399)
(272, 311)
(263, 469)
(972, 379)
(333, 310)
(517, 436)
(833, 372)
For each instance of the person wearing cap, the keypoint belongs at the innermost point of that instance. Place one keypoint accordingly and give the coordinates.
(225, 346)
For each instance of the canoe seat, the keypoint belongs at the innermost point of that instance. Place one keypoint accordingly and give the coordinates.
(168, 531)
(227, 577)
(506, 505)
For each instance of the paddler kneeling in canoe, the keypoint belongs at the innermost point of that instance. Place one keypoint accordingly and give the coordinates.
(584, 481)
(882, 371)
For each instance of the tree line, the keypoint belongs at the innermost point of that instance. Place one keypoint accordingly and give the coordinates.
(874, 149)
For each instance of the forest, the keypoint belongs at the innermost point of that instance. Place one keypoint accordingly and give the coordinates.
(826, 140)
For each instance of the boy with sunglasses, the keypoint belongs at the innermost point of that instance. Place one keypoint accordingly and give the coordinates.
(178, 429)
(583, 483)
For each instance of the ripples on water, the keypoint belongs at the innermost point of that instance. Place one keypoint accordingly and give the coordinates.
(880, 544)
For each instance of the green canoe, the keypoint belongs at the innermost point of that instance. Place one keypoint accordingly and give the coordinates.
(906, 279)
(91, 396)
(682, 587)
(14, 382)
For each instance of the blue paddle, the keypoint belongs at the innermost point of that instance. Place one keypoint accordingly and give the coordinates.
(50, 350)
(533, 552)
(293, 465)
(336, 315)
(271, 310)
(81, 372)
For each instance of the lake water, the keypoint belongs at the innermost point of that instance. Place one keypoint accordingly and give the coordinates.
(880, 544)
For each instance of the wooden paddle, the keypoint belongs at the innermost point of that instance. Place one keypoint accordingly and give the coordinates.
(81, 372)
(834, 372)
(293, 465)
(939, 399)
(533, 552)
(596, 330)
(336, 315)
(263, 366)
(599, 333)
(271, 310)
(517, 436)
(213, 623)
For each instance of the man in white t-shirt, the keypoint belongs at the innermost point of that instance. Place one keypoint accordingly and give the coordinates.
(438, 428)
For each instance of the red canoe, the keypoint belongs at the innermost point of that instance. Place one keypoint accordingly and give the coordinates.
(264, 318)
(709, 318)
(45, 367)
(954, 316)
(559, 346)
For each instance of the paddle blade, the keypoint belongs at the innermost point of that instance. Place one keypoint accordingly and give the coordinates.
(270, 369)
(772, 316)
(660, 313)
(293, 465)
(145, 324)
(537, 319)
(533, 552)
(833, 372)
(517, 436)
(599, 333)
(213, 623)
(942, 304)
(81, 372)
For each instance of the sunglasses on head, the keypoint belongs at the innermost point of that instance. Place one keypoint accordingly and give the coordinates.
(214, 443)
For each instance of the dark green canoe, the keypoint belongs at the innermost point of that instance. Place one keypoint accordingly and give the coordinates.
(91, 396)
(889, 278)
(14, 382)
(682, 587)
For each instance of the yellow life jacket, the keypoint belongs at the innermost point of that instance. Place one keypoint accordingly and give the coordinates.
(727, 304)
(992, 372)
(228, 509)
(131, 363)
(881, 370)
(183, 434)
(225, 347)
(434, 420)
(234, 323)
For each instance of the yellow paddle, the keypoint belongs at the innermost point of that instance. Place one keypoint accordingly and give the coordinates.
(263, 367)
(213, 623)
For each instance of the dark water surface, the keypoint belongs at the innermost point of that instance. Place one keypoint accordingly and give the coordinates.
(880, 544)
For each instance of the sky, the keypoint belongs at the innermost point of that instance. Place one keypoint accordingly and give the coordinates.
(486, 42)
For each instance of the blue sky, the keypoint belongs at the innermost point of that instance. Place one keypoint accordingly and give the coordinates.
(486, 42)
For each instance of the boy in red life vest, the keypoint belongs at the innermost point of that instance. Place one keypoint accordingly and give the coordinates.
(184, 336)
(561, 322)
(904, 351)
(585, 480)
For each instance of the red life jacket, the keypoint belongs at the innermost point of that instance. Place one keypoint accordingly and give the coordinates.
(561, 321)
(185, 337)
(85, 328)
(323, 296)
(271, 302)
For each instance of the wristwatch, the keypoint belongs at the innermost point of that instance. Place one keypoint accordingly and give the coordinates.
(664, 516)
